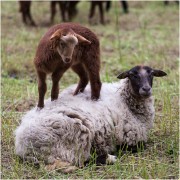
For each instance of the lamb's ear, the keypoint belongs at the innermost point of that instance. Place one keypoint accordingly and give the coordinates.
(56, 35)
(81, 39)
(158, 73)
(123, 75)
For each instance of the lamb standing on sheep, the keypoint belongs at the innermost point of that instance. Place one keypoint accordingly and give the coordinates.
(69, 128)
(63, 46)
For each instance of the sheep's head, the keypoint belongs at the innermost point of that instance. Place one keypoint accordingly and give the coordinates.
(64, 41)
(141, 80)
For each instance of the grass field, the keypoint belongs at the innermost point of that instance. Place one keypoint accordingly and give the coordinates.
(147, 35)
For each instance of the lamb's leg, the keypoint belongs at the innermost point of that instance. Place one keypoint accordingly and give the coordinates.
(41, 88)
(92, 65)
(80, 70)
(56, 76)
(95, 83)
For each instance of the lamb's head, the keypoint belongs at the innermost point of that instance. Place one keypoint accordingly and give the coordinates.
(141, 80)
(64, 41)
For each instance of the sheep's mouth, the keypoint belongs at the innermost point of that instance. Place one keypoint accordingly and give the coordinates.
(146, 95)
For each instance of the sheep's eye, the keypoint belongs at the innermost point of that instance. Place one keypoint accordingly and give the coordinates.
(149, 71)
(135, 76)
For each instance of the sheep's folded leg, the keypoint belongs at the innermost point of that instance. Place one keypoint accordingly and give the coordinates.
(61, 166)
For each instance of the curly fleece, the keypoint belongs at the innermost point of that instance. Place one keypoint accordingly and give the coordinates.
(71, 126)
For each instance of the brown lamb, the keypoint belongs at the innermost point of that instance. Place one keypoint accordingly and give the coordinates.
(63, 46)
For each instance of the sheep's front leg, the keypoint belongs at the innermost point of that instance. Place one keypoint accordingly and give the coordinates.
(41, 88)
(56, 76)
(79, 69)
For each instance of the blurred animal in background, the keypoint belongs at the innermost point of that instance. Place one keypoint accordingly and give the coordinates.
(100, 4)
(125, 6)
(25, 9)
(63, 46)
(167, 2)
(68, 9)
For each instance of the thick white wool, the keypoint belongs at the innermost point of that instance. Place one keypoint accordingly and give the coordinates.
(69, 127)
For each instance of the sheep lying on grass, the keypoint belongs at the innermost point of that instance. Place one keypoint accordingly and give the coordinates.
(69, 128)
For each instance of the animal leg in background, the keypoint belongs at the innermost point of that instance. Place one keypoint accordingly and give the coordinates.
(125, 6)
(53, 10)
(42, 87)
(92, 10)
(101, 11)
(25, 9)
(80, 70)
(62, 7)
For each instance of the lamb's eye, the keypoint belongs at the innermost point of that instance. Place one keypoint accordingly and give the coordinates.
(62, 44)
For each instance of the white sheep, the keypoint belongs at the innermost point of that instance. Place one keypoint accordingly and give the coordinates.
(70, 127)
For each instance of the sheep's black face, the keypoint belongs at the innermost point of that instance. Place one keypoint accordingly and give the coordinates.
(141, 79)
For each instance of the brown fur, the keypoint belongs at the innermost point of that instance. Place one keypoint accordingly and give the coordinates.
(85, 61)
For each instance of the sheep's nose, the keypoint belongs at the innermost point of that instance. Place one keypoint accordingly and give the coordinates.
(67, 60)
(146, 89)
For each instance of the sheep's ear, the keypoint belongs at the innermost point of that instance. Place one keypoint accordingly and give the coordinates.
(81, 39)
(123, 75)
(158, 73)
(56, 35)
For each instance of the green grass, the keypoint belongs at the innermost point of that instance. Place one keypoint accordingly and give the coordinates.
(147, 35)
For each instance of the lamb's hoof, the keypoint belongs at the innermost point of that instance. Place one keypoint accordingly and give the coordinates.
(94, 98)
(39, 108)
(61, 166)
(111, 159)
(77, 91)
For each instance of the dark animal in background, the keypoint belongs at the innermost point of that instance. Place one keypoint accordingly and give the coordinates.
(167, 2)
(68, 9)
(94, 4)
(25, 9)
(125, 6)
(100, 4)
(63, 46)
